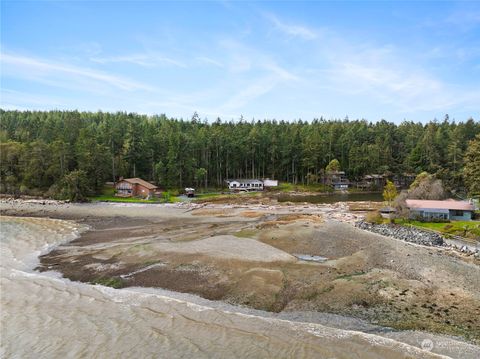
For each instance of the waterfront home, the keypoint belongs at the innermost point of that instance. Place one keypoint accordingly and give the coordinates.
(403, 180)
(374, 180)
(241, 185)
(440, 210)
(134, 187)
(338, 180)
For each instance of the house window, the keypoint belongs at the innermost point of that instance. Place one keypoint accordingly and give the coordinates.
(435, 215)
(457, 213)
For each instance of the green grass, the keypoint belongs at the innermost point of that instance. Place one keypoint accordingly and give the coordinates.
(109, 282)
(315, 187)
(208, 195)
(226, 196)
(467, 229)
(350, 276)
(108, 195)
(246, 233)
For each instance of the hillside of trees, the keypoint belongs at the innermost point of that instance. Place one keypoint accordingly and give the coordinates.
(45, 152)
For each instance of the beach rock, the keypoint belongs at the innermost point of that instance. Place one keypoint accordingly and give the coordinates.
(407, 234)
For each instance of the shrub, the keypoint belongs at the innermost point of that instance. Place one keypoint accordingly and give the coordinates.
(24, 189)
(73, 187)
(166, 196)
(374, 217)
(113, 282)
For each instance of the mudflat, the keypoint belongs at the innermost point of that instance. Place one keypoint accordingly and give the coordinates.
(248, 256)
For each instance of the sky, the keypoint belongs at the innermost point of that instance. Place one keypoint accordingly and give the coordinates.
(409, 60)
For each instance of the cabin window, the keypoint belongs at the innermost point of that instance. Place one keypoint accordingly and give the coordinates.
(457, 213)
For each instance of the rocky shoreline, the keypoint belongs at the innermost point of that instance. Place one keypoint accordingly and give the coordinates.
(414, 235)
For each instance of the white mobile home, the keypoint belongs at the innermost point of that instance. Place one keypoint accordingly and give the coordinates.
(240, 185)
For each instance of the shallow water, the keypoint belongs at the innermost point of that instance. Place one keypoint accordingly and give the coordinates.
(45, 316)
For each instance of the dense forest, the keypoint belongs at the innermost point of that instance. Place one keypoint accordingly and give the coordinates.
(43, 151)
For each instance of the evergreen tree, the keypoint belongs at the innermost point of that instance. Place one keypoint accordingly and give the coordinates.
(471, 171)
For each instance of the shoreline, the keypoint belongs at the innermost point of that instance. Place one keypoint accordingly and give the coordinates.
(350, 326)
(105, 217)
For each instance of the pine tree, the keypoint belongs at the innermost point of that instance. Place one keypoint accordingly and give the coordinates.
(471, 171)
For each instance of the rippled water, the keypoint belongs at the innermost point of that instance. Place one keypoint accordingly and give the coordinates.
(45, 316)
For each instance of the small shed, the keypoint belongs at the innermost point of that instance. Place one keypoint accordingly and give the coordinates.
(268, 183)
(387, 212)
(135, 187)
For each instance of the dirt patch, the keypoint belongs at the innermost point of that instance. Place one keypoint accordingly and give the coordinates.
(212, 212)
(258, 287)
(290, 218)
(185, 278)
(365, 206)
(252, 214)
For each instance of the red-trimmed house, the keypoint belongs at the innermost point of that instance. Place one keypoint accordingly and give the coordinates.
(135, 187)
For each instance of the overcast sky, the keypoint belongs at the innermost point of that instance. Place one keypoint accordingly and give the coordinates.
(284, 60)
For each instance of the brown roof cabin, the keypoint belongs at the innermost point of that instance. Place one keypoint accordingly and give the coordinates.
(134, 187)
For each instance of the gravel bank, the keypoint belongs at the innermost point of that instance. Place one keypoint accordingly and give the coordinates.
(415, 235)
(407, 234)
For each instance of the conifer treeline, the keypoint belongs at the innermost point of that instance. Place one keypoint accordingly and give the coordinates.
(38, 149)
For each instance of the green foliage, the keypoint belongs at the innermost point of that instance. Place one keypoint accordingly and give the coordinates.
(160, 172)
(74, 186)
(333, 166)
(471, 171)
(374, 217)
(421, 177)
(427, 186)
(201, 175)
(39, 148)
(312, 187)
(113, 282)
(166, 197)
(389, 192)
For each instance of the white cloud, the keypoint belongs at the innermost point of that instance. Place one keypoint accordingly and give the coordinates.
(210, 61)
(64, 75)
(382, 75)
(291, 29)
(248, 94)
(146, 60)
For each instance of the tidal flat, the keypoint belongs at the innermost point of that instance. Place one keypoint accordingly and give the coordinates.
(248, 256)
